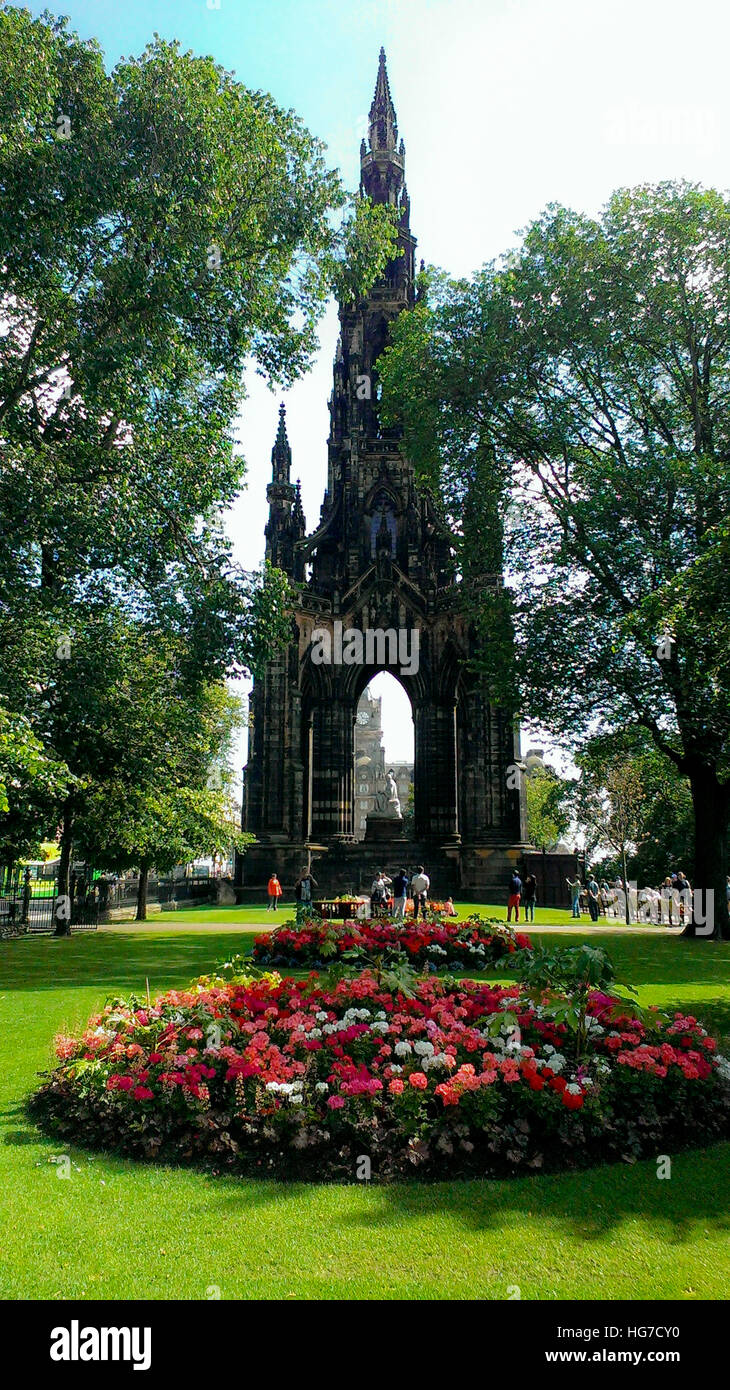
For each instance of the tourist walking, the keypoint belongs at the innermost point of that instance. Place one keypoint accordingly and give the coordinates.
(420, 885)
(400, 895)
(576, 888)
(529, 897)
(513, 901)
(274, 891)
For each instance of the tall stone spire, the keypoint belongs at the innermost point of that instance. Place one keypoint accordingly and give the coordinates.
(382, 158)
(383, 129)
(281, 452)
(286, 524)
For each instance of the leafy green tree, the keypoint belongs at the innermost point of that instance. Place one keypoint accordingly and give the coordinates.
(548, 816)
(588, 378)
(31, 786)
(161, 226)
(665, 838)
(612, 808)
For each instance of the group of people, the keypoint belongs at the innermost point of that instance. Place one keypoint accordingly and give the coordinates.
(391, 895)
(302, 889)
(671, 902)
(522, 894)
(388, 896)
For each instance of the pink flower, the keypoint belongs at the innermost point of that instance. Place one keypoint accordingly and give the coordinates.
(419, 1080)
(396, 1086)
(336, 1102)
(143, 1093)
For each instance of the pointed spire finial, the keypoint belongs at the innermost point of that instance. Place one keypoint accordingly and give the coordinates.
(281, 452)
(383, 121)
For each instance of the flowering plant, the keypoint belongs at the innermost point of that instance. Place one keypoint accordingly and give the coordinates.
(474, 945)
(303, 1079)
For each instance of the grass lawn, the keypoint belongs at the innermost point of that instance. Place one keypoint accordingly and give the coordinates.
(211, 914)
(116, 1229)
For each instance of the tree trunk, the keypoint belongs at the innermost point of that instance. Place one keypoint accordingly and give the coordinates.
(63, 898)
(711, 802)
(624, 875)
(144, 871)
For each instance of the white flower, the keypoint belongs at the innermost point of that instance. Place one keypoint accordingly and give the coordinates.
(423, 1048)
(574, 1088)
(402, 1049)
(321, 1086)
(396, 1070)
(321, 1017)
(378, 1027)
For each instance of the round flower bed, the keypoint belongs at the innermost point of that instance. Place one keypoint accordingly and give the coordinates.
(472, 945)
(298, 1080)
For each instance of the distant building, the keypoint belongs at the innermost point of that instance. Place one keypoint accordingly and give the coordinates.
(370, 763)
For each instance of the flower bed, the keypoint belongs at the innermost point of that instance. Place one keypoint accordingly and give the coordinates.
(474, 944)
(295, 1079)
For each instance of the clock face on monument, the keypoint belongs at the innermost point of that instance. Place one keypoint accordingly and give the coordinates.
(363, 717)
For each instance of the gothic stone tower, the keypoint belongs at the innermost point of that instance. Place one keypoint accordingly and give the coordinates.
(379, 560)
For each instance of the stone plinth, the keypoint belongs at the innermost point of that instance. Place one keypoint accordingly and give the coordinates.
(380, 827)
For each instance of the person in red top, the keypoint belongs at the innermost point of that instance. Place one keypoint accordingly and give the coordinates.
(274, 893)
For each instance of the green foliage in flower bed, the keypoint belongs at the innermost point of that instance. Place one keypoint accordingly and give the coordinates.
(476, 944)
(460, 1078)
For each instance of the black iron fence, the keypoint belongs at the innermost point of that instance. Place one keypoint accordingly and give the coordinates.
(30, 903)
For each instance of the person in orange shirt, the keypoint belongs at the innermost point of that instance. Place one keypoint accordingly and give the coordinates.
(274, 893)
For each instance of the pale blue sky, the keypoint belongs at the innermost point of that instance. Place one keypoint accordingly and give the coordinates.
(504, 105)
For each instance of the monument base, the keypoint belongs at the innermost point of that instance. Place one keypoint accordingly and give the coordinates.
(380, 828)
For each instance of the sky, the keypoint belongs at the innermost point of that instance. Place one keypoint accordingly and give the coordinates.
(504, 106)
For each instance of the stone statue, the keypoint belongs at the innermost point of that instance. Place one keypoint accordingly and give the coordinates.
(392, 796)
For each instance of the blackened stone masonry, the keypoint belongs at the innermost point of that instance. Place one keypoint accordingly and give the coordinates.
(378, 559)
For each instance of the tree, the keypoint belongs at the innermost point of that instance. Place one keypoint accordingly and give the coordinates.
(161, 226)
(31, 785)
(588, 377)
(548, 817)
(173, 803)
(666, 838)
(611, 806)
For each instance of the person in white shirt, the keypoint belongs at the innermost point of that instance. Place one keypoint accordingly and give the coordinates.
(379, 893)
(420, 885)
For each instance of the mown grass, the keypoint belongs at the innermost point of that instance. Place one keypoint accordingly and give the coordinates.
(252, 915)
(116, 1229)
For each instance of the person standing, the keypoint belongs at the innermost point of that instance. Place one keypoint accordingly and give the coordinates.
(274, 891)
(400, 895)
(303, 893)
(576, 888)
(419, 888)
(513, 901)
(593, 902)
(529, 897)
(685, 897)
(379, 893)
